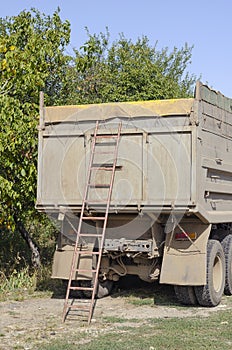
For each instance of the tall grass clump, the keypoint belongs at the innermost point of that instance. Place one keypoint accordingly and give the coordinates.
(17, 284)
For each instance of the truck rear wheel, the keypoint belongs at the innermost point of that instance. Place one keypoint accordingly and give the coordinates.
(211, 293)
(186, 295)
(227, 248)
(104, 288)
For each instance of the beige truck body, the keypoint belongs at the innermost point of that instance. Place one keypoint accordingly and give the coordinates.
(173, 177)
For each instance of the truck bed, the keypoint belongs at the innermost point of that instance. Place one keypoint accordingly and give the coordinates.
(173, 155)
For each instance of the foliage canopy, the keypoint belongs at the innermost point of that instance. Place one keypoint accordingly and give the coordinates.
(33, 58)
(127, 71)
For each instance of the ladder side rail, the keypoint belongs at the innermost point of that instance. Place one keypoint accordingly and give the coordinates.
(112, 180)
(75, 252)
(89, 172)
(111, 185)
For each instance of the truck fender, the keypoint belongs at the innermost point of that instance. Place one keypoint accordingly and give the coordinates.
(184, 261)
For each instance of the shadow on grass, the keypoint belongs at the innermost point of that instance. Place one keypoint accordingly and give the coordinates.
(133, 287)
(56, 287)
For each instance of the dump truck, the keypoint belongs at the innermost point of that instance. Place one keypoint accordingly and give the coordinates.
(170, 207)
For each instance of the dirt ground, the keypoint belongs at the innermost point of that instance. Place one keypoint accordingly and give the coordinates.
(30, 323)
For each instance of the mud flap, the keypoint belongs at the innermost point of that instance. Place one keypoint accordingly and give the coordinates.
(184, 262)
(62, 263)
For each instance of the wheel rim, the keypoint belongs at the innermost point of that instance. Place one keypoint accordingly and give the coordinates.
(217, 273)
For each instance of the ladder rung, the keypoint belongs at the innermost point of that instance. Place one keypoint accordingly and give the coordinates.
(90, 235)
(108, 143)
(77, 307)
(86, 309)
(88, 201)
(106, 136)
(85, 270)
(105, 152)
(87, 252)
(93, 217)
(81, 288)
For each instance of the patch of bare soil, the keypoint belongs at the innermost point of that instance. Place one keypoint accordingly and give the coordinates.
(30, 323)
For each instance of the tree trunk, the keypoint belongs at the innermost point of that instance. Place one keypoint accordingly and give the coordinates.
(35, 255)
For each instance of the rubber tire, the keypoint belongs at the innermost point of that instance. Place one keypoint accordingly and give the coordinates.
(227, 248)
(104, 288)
(186, 295)
(211, 294)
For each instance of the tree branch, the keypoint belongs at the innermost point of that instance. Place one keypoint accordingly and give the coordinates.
(35, 255)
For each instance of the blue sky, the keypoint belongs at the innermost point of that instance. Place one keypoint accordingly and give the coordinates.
(206, 24)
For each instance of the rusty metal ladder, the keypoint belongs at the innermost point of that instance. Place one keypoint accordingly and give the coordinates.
(86, 307)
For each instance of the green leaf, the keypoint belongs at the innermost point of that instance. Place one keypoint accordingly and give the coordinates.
(23, 172)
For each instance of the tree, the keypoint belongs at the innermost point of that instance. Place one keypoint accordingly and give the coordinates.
(31, 59)
(126, 71)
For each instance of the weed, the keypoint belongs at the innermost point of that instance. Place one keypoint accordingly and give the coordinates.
(25, 283)
(141, 301)
(112, 319)
(17, 284)
(190, 333)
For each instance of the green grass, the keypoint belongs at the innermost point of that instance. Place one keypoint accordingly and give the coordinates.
(114, 333)
(213, 332)
(24, 284)
(17, 285)
(141, 301)
(113, 319)
(150, 295)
